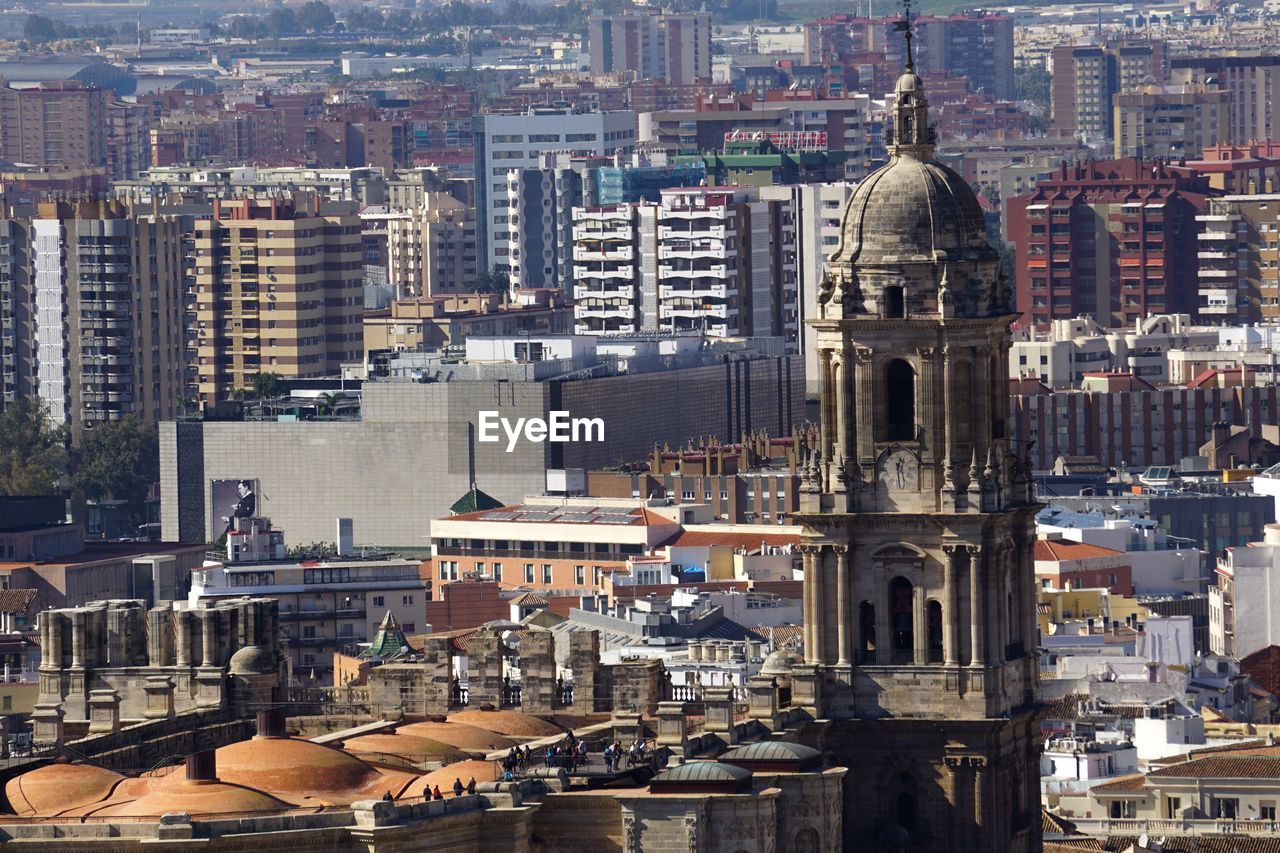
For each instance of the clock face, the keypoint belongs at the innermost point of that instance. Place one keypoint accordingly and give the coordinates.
(899, 471)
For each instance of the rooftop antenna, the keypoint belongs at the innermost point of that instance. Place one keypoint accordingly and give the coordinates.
(904, 27)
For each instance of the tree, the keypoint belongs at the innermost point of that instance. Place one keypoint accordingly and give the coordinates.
(33, 453)
(281, 22)
(268, 386)
(38, 29)
(120, 460)
(316, 17)
(490, 281)
(328, 404)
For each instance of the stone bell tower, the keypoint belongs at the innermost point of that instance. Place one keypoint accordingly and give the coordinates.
(919, 600)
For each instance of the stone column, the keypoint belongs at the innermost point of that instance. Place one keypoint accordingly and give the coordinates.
(209, 636)
(182, 626)
(673, 727)
(865, 400)
(56, 652)
(484, 662)
(810, 590)
(951, 615)
(584, 660)
(46, 724)
(77, 638)
(159, 690)
(104, 711)
(919, 626)
(828, 403)
(928, 415)
(537, 672)
(719, 705)
(844, 608)
(977, 638)
(762, 699)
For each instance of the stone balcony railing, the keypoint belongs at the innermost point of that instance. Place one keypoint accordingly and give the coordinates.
(1175, 826)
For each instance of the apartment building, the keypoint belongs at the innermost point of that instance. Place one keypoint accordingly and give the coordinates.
(128, 140)
(1239, 258)
(1172, 120)
(819, 210)
(431, 250)
(91, 312)
(717, 260)
(1253, 81)
(550, 544)
(1086, 79)
(277, 289)
(326, 605)
(54, 125)
(647, 43)
(1112, 239)
(503, 143)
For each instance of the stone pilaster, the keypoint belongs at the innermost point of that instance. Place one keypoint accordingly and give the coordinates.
(719, 705)
(537, 672)
(46, 724)
(104, 711)
(159, 690)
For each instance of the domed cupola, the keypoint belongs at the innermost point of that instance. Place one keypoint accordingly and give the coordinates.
(914, 240)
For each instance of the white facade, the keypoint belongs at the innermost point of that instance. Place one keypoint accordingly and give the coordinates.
(1160, 737)
(1161, 565)
(1244, 606)
(507, 142)
(703, 259)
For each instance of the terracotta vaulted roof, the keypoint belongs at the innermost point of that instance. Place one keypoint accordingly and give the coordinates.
(16, 600)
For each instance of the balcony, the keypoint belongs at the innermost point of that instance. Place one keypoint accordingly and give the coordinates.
(582, 312)
(583, 291)
(625, 272)
(669, 311)
(1210, 273)
(589, 253)
(712, 271)
(697, 291)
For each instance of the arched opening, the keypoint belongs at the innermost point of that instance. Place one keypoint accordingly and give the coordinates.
(934, 631)
(867, 632)
(907, 811)
(901, 621)
(894, 303)
(900, 401)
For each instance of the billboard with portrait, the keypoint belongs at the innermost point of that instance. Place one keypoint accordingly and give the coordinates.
(228, 500)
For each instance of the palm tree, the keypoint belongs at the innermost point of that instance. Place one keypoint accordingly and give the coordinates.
(329, 401)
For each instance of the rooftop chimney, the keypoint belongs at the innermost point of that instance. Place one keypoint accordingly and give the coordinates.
(271, 723)
(202, 766)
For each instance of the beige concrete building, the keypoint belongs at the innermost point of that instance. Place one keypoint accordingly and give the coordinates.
(1239, 255)
(1176, 120)
(410, 325)
(79, 285)
(278, 289)
(1253, 81)
(431, 250)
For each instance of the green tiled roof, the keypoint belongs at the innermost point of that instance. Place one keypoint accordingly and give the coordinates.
(388, 640)
(473, 501)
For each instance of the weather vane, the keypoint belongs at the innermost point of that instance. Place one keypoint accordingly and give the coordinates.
(904, 27)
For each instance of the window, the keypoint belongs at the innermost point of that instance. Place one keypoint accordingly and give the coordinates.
(687, 495)
(580, 575)
(409, 627)
(1121, 809)
(378, 601)
(308, 632)
(1225, 808)
(497, 572)
(479, 567)
(528, 572)
(900, 401)
(406, 600)
(901, 617)
(1267, 810)
(546, 573)
(894, 305)
(1172, 806)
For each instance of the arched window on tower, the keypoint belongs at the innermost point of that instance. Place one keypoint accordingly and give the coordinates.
(907, 811)
(900, 401)
(894, 303)
(902, 620)
(934, 631)
(867, 632)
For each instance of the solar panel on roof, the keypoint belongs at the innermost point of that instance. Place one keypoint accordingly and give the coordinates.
(500, 516)
(537, 516)
(615, 519)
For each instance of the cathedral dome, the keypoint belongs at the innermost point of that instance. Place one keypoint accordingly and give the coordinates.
(915, 225)
(912, 211)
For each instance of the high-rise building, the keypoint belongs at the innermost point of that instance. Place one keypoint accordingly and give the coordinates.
(1114, 240)
(671, 46)
(431, 250)
(1239, 259)
(94, 312)
(128, 140)
(1170, 121)
(719, 260)
(819, 211)
(278, 289)
(919, 600)
(56, 125)
(504, 143)
(1254, 83)
(1087, 77)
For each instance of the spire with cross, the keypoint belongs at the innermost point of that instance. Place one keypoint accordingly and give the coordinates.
(904, 27)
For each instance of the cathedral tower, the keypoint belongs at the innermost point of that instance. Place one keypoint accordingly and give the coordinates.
(919, 600)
